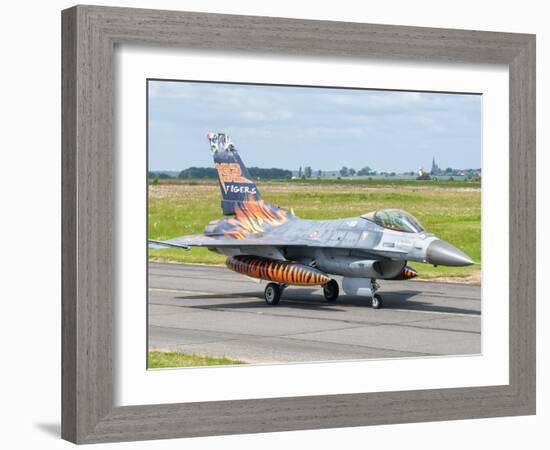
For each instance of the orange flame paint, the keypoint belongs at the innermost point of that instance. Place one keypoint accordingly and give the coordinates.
(252, 216)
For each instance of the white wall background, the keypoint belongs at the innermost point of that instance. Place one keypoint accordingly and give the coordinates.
(31, 208)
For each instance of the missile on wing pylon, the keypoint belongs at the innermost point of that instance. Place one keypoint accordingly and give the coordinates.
(284, 272)
(406, 274)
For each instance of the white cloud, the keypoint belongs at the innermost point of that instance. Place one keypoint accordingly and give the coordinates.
(280, 120)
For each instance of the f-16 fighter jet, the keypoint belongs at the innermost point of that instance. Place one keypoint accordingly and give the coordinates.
(266, 242)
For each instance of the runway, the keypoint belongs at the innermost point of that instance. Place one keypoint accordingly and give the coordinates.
(212, 311)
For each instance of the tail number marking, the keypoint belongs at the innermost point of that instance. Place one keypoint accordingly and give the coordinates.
(231, 173)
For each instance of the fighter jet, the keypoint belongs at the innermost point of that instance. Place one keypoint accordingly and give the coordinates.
(266, 242)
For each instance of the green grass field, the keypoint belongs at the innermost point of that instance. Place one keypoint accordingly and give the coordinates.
(164, 360)
(449, 209)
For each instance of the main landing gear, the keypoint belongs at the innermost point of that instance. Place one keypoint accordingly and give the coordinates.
(273, 293)
(376, 301)
(331, 291)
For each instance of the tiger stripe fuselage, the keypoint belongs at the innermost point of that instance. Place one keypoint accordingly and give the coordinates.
(284, 272)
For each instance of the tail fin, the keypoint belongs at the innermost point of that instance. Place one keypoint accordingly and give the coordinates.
(236, 183)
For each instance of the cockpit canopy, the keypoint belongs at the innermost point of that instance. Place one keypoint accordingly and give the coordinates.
(394, 219)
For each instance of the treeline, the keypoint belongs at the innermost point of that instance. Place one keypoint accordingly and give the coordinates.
(272, 173)
(198, 172)
(211, 173)
(160, 175)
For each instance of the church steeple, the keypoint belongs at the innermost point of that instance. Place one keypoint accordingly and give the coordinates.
(435, 168)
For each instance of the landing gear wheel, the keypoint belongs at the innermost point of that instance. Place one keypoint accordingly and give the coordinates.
(376, 301)
(272, 294)
(331, 291)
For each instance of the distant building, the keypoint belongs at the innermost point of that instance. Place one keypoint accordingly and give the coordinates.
(436, 170)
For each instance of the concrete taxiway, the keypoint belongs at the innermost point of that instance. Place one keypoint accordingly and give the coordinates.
(210, 310)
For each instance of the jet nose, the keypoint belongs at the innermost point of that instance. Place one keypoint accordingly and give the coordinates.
(442, 253)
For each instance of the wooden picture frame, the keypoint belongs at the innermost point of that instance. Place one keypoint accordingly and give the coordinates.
(90, 34)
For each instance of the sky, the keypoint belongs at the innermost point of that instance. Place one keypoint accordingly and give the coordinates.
(325, 128)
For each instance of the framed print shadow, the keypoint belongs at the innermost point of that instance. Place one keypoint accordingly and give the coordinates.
(349, 233)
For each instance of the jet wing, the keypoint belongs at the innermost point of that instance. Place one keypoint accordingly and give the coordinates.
(200, 240)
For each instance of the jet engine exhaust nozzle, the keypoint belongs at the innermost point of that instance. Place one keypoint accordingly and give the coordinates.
(441, 253)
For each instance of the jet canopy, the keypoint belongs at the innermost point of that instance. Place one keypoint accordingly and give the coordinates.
(394, 219)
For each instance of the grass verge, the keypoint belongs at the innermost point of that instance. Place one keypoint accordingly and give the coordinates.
(448, 209)
(164, 360)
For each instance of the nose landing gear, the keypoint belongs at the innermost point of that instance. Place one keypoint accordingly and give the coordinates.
(376, 302)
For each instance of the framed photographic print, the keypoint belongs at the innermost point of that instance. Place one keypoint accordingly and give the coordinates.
(277, 224)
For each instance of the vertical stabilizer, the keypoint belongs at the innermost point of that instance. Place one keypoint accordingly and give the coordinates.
(235, 181)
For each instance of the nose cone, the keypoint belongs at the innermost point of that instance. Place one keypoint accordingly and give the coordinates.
(441, 253)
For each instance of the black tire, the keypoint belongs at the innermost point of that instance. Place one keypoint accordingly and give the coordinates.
(331, 291)
(272, 294)
(376, 301)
